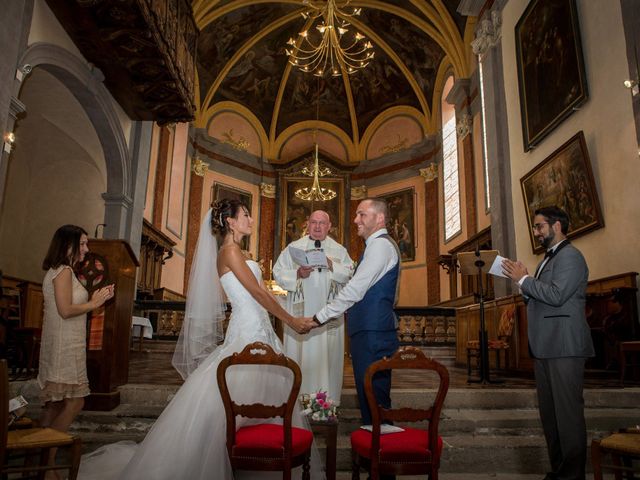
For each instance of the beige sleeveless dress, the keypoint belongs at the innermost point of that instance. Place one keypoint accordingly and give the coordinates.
(63, 358)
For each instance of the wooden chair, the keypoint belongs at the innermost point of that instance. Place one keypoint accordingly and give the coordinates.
(623, 448)
(266, 446)
(24, 443)
(414, 451)
(498, 345)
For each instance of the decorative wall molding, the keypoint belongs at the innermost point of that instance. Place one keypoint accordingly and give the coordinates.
(359, 193)
(267, 190)
(464, 126)
(488, 33)
(199, 166)
(429, 173)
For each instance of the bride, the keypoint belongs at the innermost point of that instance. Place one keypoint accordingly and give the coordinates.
(188, 439)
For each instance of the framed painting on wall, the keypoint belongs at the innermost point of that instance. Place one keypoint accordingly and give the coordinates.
(220, 191)
(551, 74)
(295, 212)
(564, 179)
(401, 221)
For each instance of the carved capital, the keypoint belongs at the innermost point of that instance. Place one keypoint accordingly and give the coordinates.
(464, 126)
(198, 166)
(488, 33)
(359, 193)
(268, 190)
(429, 173)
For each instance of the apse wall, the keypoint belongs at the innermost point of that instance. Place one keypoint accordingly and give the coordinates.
(608, 125)
(56, 176)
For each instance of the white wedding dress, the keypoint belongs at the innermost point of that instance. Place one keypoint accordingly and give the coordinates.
(188, 439)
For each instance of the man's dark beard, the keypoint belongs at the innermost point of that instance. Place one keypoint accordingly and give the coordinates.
(547, 240)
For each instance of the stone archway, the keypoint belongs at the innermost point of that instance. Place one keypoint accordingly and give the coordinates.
(85, 83)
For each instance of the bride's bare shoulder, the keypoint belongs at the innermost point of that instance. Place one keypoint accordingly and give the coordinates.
(228, 254)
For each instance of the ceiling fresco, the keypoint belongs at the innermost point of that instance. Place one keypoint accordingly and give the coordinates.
(241, 59)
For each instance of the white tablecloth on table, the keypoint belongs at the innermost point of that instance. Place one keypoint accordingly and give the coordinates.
(142, 324)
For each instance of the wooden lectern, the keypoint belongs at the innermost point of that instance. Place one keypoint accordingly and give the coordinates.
(109, 327)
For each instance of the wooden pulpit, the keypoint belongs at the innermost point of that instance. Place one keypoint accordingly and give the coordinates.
(109, 327)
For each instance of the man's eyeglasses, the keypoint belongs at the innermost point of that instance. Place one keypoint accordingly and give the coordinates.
(538, 226)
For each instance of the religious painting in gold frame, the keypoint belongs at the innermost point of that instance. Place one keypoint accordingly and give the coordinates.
(295, 212)
(220, 191)
(564, 179)
(401, 221)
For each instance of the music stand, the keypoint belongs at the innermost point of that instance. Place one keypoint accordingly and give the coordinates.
(477, 263)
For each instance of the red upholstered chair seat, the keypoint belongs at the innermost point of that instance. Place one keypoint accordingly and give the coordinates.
(267, 440)
(409, 446)
(501, 344)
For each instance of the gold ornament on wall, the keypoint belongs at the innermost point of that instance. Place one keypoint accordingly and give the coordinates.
(430, 172)
(198, 166)
(241, 144)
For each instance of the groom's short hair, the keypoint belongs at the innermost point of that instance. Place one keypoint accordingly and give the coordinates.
(379, 205)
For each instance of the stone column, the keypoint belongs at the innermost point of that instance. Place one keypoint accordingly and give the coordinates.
(430, 175)
(488, 46)
(267, 224)
(196, 184)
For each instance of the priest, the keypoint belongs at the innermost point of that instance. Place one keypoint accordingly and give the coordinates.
(319, 353)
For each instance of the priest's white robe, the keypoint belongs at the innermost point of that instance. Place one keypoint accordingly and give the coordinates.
(319, 353)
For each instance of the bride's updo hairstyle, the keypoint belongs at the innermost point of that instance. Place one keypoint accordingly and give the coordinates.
(220, 212)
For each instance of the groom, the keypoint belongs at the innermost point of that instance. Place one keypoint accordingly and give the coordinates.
(370, 297)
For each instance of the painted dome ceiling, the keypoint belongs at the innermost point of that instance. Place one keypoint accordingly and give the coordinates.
(241, 59)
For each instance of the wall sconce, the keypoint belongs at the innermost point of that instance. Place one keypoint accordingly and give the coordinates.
(9, 140)
(631, 85)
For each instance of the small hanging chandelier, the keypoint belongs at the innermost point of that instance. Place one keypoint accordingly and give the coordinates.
(315, 193)
(334, 47)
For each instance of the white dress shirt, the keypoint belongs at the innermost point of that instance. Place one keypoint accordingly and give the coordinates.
(544, 262)
(380, 256)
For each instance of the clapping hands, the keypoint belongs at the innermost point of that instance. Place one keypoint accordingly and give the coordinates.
(101, 295)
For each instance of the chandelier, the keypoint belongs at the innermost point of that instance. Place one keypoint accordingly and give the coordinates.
(315, 193)
(333, 47)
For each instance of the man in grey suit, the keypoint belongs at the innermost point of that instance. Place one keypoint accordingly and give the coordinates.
(559, 340)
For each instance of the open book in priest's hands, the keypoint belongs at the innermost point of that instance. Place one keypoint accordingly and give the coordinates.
(384, 428)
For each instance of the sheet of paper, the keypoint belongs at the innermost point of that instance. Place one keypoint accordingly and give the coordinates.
(299, 256)
(313, 257)
(384, 429)
(317, 258)
(496, 267)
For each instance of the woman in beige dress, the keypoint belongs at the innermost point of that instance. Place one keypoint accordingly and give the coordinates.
(62, 374)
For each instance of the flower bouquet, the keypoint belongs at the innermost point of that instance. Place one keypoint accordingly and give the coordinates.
(319, 407)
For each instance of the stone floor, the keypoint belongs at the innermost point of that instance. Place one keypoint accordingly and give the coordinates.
(152, 365)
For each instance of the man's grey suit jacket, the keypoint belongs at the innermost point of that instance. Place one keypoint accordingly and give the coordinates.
(557, 324)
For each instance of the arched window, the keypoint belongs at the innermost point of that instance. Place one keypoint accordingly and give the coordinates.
(451, 181)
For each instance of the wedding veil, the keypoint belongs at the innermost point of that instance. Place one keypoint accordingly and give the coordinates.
(202, 328)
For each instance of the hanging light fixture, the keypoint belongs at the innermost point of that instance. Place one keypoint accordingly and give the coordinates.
(315, 193)
(330, 47)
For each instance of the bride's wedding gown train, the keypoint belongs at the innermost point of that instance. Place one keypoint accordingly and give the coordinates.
(188, 439)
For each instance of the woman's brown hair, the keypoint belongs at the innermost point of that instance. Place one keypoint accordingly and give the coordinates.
(67, 236)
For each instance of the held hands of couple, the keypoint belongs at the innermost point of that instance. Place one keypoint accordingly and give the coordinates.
(303, 325)
(515, 270)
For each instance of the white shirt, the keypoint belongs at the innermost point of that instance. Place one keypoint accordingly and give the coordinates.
(380, 256)
(544, 262)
